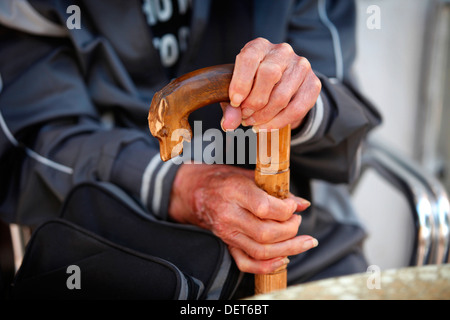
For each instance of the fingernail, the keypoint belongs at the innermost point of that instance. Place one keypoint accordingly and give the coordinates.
(221, 124)
(248, 122)
(311, 243)
(282, 264)
(236, 100)
(304, 202)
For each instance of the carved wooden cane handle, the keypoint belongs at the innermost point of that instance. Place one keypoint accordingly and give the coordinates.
(172, 105)
(168, 122)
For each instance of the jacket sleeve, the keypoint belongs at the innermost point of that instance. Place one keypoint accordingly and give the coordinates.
(327, 145)
(49, 110)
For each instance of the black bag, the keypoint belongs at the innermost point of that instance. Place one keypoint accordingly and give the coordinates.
(122, 252)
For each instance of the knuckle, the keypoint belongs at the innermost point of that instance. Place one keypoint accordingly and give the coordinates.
(253, 50)
(227, 186)
(264, 268)
(281, 97)
(229, 182)
(255, 103)
(240, 87)
(223, 221)
(220, 231)
(264, 115)
(249, 53)
(226, 235)
(298, 111)
(243, 266)
(303, 64)
(262, 209)
(293, 231)
(317, 84)
(285, 49)
(222, 227)
(261, 41)
(271, 70)
(264, 235)
(260, 252)
(248, 56)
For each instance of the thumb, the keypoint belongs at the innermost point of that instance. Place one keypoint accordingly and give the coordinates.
(232, 117)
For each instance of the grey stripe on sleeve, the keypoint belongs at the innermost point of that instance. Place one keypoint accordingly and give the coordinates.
(313, 124)
(32, 154)
(339, 60)
(147, 177)
(158, 189)
(152, 184)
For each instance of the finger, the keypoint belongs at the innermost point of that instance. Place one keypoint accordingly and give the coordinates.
(268, 251)
(302, 204)
(281, 94)
(261, 204)
(232, 117)
(267, 231)
(267, 76)
(303, 101)
(246, 65)
(249, 265)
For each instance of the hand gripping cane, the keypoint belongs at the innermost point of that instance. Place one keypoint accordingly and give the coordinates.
(169, 112)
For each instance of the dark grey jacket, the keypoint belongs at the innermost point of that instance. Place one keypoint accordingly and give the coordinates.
(74, 103)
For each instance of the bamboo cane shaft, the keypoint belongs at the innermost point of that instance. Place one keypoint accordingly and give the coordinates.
(272, 175)
(266, 283)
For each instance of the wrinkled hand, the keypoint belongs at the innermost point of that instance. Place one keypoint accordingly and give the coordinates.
(260, 230)
(271, 87)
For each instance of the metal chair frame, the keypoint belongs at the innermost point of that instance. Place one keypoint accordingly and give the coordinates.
(426, 196)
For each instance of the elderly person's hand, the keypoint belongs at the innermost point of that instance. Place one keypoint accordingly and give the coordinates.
(270, 88)
(260, 230)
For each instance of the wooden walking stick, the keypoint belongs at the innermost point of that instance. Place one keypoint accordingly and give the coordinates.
(168, 122)
(272, 175)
